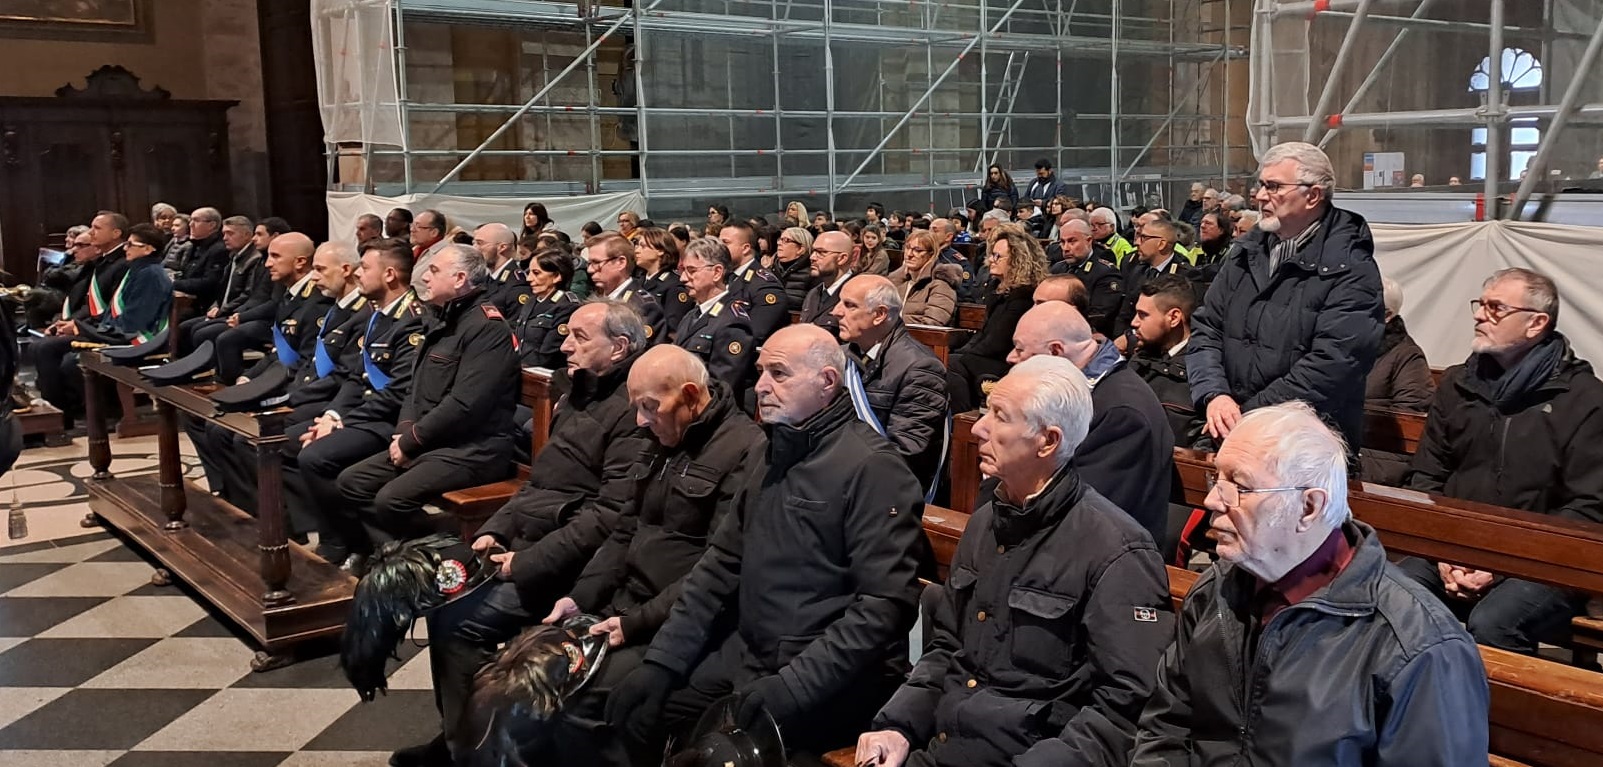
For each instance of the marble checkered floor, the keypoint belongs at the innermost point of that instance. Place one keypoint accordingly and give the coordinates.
(98, 667)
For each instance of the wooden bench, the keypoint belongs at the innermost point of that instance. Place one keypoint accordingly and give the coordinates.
(940, 340)
(971, 316)
(473, 506)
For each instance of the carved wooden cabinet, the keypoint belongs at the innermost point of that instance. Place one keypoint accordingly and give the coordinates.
(112, 145)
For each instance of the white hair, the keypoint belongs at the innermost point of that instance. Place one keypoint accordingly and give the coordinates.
(995, 214)
(1249, 215)
(1210, 189)
(1313, 165)
(160, 208)
(1235, 202)
(883, 293)
(344, 251)
(1105, 216)
(1058, 395)
(1392, 295)
(1299, 450)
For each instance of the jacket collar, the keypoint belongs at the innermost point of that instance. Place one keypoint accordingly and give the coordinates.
(871, 367)
(1328, 252)
(1014, 523)
(720, 408)
(1354, 590)
(589, 387)
(788, 445)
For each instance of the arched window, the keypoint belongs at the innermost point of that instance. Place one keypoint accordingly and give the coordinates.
(1520, 71)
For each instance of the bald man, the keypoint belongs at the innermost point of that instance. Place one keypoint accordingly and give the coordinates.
(508, 288)
(832, 255)
(1076, 253)
(286, 324)
(903, 382)
(817, 568)
(1128, 454)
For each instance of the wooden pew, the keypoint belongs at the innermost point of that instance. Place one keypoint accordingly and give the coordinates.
(940, 340)
(971, 316)
(1394, 431)
(475, 505)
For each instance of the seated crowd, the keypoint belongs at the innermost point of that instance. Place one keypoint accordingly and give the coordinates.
(746, 432)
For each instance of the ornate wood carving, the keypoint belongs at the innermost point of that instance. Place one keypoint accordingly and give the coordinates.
(113, 82)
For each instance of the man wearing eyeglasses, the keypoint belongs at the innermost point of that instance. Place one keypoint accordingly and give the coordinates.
(1518, 424)
(1304, 645)
(1295, 312)
(832, 251)
(610, 262)
(718, 329)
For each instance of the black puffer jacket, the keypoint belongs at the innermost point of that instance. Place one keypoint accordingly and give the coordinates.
(202, 273)
(1540, 450)
(1046, 638)
(1309, 332)
(1369, 671)
(579, 484)
(682, 494)
(1002, 312)
(797, 278)
(818, 564)
(906, 388)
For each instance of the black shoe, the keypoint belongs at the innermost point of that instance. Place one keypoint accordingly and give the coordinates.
(334, 555)
(355, 564)
(431, 754)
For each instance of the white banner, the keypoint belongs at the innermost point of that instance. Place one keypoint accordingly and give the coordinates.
(1441, 268)
(569, 213)
(353, 45)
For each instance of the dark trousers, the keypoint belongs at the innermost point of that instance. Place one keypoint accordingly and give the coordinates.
(835, 723)
(389, 499)
(60, 381)
(311, 480)
(463, 636)
(232, 343)
(1512, 615)
(210, 440)
(965, 373)
(197, 330)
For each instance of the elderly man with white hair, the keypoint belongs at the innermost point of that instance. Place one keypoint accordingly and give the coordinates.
(1048, 631)
(1105, 226)
(806, 594)
(1295, 312)
(1305, 645)
(1129, 453)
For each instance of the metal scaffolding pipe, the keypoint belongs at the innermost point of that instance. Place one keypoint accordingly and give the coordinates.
(1561, 120)
(1155, 134)
(924, 97)
(1327, 94)
(588, 52)
(1494, 107)
(829, 98)
(1113, 109)
(1445, 117)
(1374, 74)
(640, 105)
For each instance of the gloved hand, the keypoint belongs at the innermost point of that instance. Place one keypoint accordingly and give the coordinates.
(635, 703)
(768, 693)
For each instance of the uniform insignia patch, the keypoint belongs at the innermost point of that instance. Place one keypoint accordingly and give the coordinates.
(684, 298)
(523, 298)
(770, 299)
(1113, 285)
(416, 339)
(650, 331)
(716, 308)
(490, 311)
(738, 309)
(735, 347)
(320, 322)
(450, 577)
(967, 276)
(562, 329)
(1146, 615)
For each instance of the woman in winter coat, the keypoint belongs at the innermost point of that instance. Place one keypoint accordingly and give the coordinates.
(928, 288)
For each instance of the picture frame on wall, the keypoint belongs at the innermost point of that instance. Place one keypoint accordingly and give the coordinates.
(118, 21)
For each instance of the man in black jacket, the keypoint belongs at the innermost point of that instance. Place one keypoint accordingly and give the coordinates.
(1295, 312)
(276, 323)
(579, 486)
(610, 262)
(375, 375)
(246, 286)
(717, 329)
(1518, 424)
(60, 381)
(1128, 455)
(1048, 630)
(1162, 327)
(902, 381)
(805, 596)
(832, 252)
(509, 289)
(1104, 284)
(201, 274)
(454, 427)
(1304, 645)
(750, 283)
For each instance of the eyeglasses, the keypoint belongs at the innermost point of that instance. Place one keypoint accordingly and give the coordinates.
(137, 244)
(832, 252)
(791, 241)
(1497, 312)
(1230, 493)
(1139, 236)
(592, 264)
(1274, 187)
(691, 270)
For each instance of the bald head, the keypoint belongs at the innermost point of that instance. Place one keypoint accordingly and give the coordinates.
(832, 252)
(1055, 329)
(496, 242)
(289, 257)
(799, 374)
(868, 309)
(669, 390)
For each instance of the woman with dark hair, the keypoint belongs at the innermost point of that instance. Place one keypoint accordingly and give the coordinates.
(536, 219)
(657, 258)
(590, 229)
(717, 215)
(767, 244)
(542, 325)
(874, 259)
(998, 185)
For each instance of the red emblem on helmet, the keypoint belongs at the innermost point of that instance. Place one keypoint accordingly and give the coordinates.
(451, 577)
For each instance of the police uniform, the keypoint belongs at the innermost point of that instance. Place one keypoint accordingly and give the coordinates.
(671, 294)
(971, 288)
(1105, 286)
(1137, 275)
(542, 326)
(764, 297)
(1119, 248)
(374, 375)
(509, 288)
(721, 337)
(645, 303)
(455, 424)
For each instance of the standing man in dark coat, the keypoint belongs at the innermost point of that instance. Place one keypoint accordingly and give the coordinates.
(1050, 626)
(454, 427)
(1304, 646)
(717, 329)
(815, 573)
(1295, 312)
(902, 381)
(1518, 424)
(832, 254)
(1128, 455)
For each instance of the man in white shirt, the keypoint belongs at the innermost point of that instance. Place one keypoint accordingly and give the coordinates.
(832, 251)
(610, 262)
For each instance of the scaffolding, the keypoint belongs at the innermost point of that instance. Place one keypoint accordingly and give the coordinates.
(1502, 98)
(830, 102)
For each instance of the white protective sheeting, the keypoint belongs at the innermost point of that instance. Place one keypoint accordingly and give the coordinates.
(353, 43)
(1441, 268)
(569, 213)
